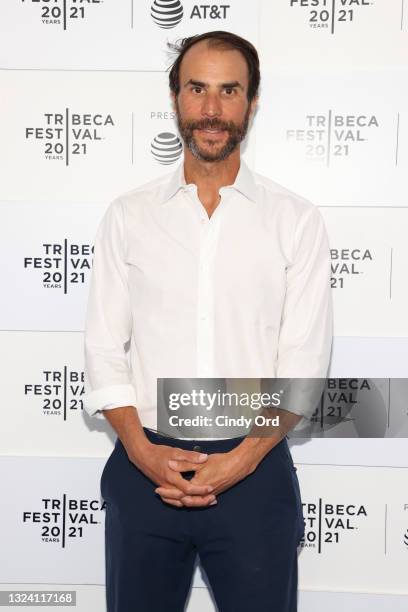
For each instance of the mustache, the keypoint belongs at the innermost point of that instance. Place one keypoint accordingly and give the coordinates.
(208, 124)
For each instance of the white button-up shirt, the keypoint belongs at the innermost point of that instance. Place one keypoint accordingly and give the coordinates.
(176, 294)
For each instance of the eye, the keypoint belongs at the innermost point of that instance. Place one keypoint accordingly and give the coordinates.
(195, 88)
(230, 90)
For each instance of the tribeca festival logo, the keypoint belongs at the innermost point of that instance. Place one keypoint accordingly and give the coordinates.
(351, 408)
(64, 519)
(68, 136)
(62, 265)
(328, 14)
(62, 12)
(168, 14)
(340, 396)
(328, 523)
(166, 148)
(348, 263)
(329, 136)
(59, 391)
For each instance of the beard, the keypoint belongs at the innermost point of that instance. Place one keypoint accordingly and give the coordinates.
(213, 152)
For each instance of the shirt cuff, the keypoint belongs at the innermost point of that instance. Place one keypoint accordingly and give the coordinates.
(106, 398)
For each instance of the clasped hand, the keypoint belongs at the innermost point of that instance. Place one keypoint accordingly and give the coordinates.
(213, 474)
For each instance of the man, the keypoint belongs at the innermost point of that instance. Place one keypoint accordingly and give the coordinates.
(211, 271)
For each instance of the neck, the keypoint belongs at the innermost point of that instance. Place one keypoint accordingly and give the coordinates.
(211, 176)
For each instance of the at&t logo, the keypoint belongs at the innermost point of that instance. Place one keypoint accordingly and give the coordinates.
(166, 148)
(168, 14)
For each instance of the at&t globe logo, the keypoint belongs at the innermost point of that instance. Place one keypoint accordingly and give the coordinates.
(166, 148)
(167, 13)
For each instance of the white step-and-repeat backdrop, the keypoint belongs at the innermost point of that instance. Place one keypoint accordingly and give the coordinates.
(83, 97)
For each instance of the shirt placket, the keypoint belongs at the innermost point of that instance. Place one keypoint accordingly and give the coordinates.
(209, 235)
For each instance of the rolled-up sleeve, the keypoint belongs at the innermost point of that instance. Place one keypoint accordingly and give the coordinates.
(306, 330)
(108, 320)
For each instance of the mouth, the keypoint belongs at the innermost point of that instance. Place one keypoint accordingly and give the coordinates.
(213, 132)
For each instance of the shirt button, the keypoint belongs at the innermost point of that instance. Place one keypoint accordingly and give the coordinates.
(197, 448)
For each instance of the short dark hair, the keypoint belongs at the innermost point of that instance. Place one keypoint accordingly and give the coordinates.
(225, 40)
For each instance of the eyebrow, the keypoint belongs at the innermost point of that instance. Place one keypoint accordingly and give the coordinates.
(202, 84)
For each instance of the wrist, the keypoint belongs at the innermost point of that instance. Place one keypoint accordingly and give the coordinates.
(246, 456)
(138, 449)
(254, 449)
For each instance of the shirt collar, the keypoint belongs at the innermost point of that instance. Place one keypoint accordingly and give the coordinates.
(244, 183)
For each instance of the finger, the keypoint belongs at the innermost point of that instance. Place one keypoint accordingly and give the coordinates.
(197, 489)
(172, 502)
(195, 500)
(170, 493)
(176, 494)
(176, 479)
(183, 466)
(180, 454)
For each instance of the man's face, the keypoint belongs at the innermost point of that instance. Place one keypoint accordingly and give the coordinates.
(212, 108)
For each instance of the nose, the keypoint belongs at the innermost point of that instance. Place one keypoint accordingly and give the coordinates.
(211, 105)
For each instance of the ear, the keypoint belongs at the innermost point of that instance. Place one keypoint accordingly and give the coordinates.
(173, 100)
(253, 105)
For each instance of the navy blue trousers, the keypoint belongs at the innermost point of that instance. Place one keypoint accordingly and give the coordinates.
(247, 542)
